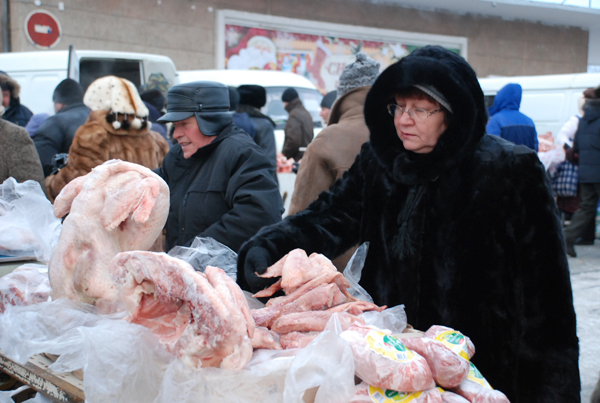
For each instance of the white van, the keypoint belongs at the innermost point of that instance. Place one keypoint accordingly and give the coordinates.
(549, 100)
(275, 82)
(40, 72)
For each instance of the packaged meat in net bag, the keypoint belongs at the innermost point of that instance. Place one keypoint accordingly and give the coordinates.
(383, 361)
(476, 389)
(447, 352)
(370, 394)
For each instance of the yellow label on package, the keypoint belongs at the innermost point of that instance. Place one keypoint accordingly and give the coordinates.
(379, 395)
(455, 341)
(475, 376)
(389, 346)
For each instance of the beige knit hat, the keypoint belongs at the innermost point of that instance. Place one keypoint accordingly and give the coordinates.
(119, 96)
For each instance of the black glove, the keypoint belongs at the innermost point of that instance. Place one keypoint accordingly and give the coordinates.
(59, 161)
(258, 260)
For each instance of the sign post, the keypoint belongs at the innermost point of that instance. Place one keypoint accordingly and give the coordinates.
(42, 29)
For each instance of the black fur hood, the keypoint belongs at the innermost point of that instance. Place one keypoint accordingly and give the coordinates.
(452, 76)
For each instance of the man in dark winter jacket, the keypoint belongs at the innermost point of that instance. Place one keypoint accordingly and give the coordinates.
(241, 119)
(299, 126)
(587, 146)
(219, 179)
(252, 98)
(507, 122)
(14, 112)
(462, 228)
(56, 134)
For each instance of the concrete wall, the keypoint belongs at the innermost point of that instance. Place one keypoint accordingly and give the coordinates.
(185, 30)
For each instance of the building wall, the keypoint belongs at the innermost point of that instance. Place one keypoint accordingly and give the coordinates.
(185, 30)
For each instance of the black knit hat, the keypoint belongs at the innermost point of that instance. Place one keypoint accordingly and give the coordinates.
(154, 98)
(234, 98)
(68, 92)
(289, 95)
(329, 99)
(253, 95)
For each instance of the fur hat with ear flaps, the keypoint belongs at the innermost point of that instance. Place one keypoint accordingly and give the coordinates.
(455, 80)
(120, 97)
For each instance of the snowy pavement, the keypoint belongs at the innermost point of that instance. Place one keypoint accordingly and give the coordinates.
(585, 280)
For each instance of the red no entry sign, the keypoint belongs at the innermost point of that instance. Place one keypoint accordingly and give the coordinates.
(42, 29)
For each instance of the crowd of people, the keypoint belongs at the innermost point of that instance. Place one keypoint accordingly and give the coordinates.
(459, 212)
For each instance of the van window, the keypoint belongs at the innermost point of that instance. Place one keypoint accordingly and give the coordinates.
(274, 108)
(91, 69)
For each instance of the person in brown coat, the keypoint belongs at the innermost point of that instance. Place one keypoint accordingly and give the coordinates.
(18, 156)
(334, 150)
(118, 128)
(299, 126)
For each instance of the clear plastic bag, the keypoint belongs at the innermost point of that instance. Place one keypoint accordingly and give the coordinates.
(26, 285)
(28, 226)
(327, 363)
(353, 271)
(392, 319)
(208, 252)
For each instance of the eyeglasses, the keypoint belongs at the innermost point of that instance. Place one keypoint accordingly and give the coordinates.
(417, 114)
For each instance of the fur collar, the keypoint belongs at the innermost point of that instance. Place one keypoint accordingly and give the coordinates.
(99, 117)
(349, 104)
(454, 78)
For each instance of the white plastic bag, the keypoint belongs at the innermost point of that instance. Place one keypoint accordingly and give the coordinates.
(327, 363)
(353, 271)
(27, 223)
(208, 252)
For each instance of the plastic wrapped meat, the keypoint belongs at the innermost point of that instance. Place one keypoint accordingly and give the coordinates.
(202, 318)
(26, 285)
(383, 361)
(450, 397)
(476, 389)
(265, 338)
(447, 367)
(370, 394)
(119, 206)
(453, 340)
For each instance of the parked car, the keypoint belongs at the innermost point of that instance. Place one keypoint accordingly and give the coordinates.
(275, 82)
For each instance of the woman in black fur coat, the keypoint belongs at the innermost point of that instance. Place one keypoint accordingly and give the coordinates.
(463, 229)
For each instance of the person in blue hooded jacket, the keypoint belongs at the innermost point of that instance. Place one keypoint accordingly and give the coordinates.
(507, 122)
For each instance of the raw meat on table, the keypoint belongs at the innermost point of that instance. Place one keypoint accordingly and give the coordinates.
(24, 286)
(297, 339)
(447, 367)
(119, 206)
(383, 361)
(312, 321)
(265, 338)
(357, 307)
(198, 317)
(320, 298)
(370, 394)
(450, 397)
(476, 389)
(295, 269)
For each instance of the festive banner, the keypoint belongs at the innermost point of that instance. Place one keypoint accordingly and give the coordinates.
(319, 58)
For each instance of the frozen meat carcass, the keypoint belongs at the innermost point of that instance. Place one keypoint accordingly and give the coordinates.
(312, 321)
(197, 316)
(265, 338)
(119, 206)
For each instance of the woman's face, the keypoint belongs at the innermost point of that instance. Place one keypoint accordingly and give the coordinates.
(419, 137)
